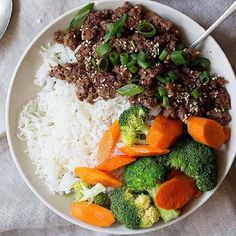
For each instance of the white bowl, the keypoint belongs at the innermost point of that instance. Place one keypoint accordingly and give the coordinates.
(22, 90)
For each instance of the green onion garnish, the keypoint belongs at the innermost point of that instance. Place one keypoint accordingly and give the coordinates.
(142, 56)
(163, 55)
(172, 76)
(134, 56)
(203, 62)
(114, 58)
(178, 57)
(130, 90)
(80, 16)
(146, 29)
(143, 64)
(133, 69)
(124, 58)
(161, 79)
(196, 94)
(204, 77)
(103, 64)
(103, 49)
(115, 28)
(165, 101)
(162, 91)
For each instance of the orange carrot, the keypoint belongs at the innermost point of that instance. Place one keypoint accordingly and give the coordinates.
(94, 176)
(227, 134)
(206, 131)
(115, 163)
(108, 142)
(92, 214)
(143, 150)
(175, 193)
(164, 132)
(175, 172)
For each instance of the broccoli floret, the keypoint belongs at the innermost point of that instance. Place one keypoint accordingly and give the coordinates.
(87, 192)
(133, 211)
(144, 174)
(197, 161)
(166, 215)
(132, 124)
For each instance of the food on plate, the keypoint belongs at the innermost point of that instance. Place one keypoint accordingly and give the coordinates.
(128, 120)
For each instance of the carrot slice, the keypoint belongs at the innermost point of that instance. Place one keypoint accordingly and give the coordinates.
(108, 142)
(115, 163)
(94, 176)
(143, 150)
(175, 193)
(227, 134)
(206, 131)
(164, 132)
(92, 214)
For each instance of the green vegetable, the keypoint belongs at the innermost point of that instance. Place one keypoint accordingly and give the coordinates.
(80, 16)
(144, 173)
(162, 91)
(166, 215)
(130, 90)
(132, 124)
(146, 29)
(115, 28)
(124, 59)
(133, 211)
(202, 62)
(143, 64)
(86, 192)
(172, 76)
(133, 69)
(165, 101)
(196, 94)
(204, 77)
(134, 56)
(164, 55)
(197, 161)
(178, 57)
(114, 58)
(141, 59)
(161, 79)
(103, 49)
(103, 64)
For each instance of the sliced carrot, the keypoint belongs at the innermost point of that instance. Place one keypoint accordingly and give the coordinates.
(115, 163)
(175, 172)
(197, 194)
(94, 176)
(164, 132)
(227, 133)
(206, 131)
(108, 142)
(175, 193)
(92, 214)
(143, 150)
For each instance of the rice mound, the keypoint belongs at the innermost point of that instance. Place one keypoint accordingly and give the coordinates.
(60, 131)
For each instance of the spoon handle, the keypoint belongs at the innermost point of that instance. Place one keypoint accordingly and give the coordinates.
(227, 13)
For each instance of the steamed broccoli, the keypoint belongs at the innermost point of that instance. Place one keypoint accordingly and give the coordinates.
(132, 124)
(197, 161)
(144, 174)
(132, 211)
(87, 192)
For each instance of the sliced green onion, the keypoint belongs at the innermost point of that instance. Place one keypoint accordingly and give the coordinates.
(157, 95)
(165, 101)
(146, 29)
(204, 77)
(130, 90)
(162, 91)
(115, 28)
(143, 64)
(124, 58)
(131, 63)
(80, 16)
(114, 58)
(142, 56)
(161, 79)
(178, 57)
(103, 49)
(164, 55)
(133, 69)
(134, 56)
(196, 94)
(103, 64)
(172, 76)
(202, 62)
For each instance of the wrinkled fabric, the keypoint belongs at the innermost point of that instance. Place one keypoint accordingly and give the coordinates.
(21, 213)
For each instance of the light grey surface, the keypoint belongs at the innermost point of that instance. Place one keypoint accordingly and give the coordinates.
(21, 213)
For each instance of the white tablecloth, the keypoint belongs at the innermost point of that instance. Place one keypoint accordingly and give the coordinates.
(21, 213)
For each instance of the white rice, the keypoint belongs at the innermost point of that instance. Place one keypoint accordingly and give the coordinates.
(60, 131)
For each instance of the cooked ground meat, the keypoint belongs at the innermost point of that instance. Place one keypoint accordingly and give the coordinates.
(212, 99)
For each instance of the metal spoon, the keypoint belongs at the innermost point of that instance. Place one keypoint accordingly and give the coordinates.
(227, 13)
(5, 15)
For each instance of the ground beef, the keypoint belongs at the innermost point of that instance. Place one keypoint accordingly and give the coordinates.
(148, 76)
(123, 75)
